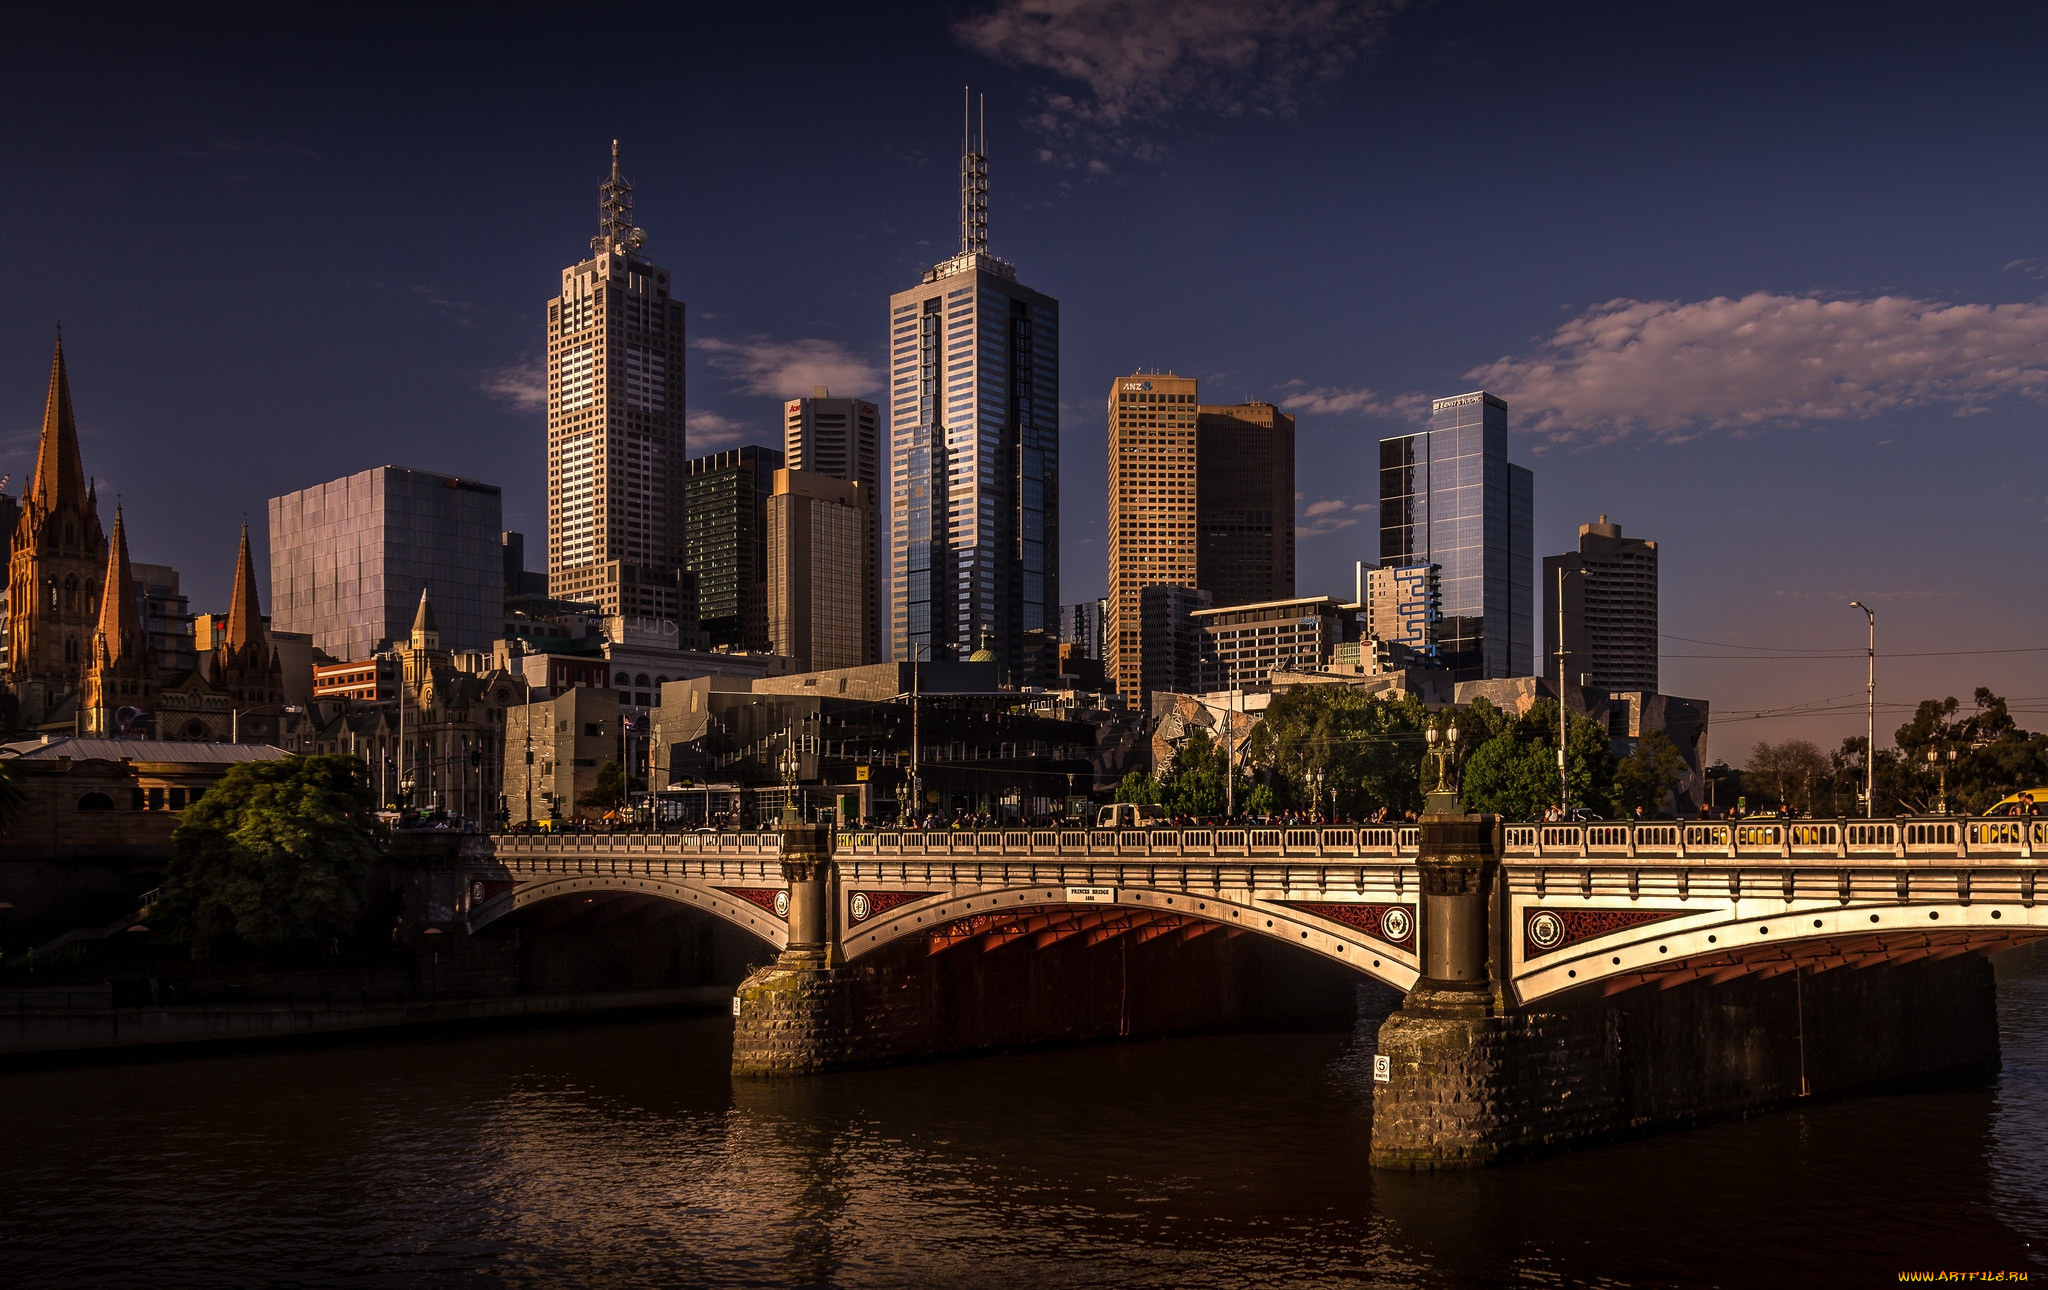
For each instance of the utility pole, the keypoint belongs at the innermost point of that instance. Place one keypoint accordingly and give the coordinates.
(916, 783)
(1870, 718)
(1564, 782)
(1229, 760)
(528, 710)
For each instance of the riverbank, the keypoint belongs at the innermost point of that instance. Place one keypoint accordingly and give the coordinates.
(38, 1032)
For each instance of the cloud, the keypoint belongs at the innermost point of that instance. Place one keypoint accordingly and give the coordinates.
(1674, 368)
(1333, 400)
(1135, 63)
(709, 431)
(787, 369)
(522, 386)
(1329, 515)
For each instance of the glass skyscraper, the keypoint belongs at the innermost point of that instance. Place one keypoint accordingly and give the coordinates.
(1449, 497)
(974, 453)
(349, 558)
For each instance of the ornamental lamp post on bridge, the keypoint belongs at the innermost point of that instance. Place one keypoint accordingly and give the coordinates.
(1935, 760)
(1870, 719)
(807, 871)
(1458, 857)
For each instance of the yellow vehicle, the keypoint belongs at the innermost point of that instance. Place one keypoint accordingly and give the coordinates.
(1130, 815)
(2037, 797)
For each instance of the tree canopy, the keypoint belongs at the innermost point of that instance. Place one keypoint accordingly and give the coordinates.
(276, 854)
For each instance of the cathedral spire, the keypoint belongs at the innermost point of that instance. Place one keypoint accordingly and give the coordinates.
(426, 633)
(245, 613)
(119, 638)
(973, 179)
(59, 477)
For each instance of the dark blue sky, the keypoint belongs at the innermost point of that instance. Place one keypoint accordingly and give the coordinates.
(1764, 283)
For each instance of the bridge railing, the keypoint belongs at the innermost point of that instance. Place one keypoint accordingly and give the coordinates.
(1756, 838)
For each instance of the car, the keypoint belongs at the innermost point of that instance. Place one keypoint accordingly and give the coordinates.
(2036, 802)
(1131, 815)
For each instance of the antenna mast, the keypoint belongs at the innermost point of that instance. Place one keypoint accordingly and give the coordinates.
(973, 178)
(615, 213)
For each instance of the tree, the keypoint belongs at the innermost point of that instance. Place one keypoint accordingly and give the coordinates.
(277, 853)
(1366, 747)
(1137, 786)
(1788, 773)
(1649, 775)
(1512, 769)
(610, 789)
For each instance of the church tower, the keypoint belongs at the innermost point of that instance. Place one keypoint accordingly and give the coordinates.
(54, 576)
(120, 671)
(245, 664)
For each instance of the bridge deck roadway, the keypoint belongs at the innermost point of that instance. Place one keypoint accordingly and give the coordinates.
(1613, 906)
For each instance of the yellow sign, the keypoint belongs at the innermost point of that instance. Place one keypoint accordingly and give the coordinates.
(860, 772)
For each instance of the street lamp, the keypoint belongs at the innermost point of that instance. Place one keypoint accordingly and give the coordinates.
(1941, 766)
(1870, 718)
(1316, 777)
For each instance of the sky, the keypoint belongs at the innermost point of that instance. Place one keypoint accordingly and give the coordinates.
(1765, 283)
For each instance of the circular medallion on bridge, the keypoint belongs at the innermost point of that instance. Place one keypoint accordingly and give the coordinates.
(782, 904)
(1395, 924)
(1546, 930)
(859, 907)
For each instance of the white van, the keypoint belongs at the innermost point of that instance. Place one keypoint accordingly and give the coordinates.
(1131, 815)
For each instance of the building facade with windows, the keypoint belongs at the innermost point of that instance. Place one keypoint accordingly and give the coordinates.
(1610, 610)
(1152, 528)
(615, 422)
(725, 543)
(973, 453)
(820, 531)
(842, 439)
(1242, 646)
(1244, 503)
(1450, 497)
(349, 559)
(1400, 604)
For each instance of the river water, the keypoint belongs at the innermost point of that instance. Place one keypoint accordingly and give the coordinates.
(623, 1155)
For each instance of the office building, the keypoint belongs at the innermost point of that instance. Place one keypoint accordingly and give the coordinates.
(974, 452)
(1241, 646)
(1244, 507)
(349, 558)
(820, 531)
(1152, 533)
(1081, 627)
(1610, 610)
(1169, 655)
(615, 422)
(1400, 604)
(725, 542)
(166, 617)
(1449, 497)
(520, 581)
(842, 439)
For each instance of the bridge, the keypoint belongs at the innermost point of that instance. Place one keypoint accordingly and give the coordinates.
(1601, 908)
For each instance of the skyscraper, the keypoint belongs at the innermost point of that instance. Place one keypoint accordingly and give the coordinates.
(1449, 497)
(974, 451)
(725, 542)
(615, 422)
(1610, 610)
(1244, 508)
(841, 439)
(819, 532)
(1152, 474)
(349, 559)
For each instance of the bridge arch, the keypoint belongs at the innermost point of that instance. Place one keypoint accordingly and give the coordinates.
(1373, 936)
(752, 909)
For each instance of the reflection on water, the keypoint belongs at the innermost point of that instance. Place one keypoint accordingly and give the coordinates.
(623, 1155)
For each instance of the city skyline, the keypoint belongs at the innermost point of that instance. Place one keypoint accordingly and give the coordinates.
(1726, 488)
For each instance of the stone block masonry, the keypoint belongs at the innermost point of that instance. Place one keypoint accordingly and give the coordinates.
(1467, 1090)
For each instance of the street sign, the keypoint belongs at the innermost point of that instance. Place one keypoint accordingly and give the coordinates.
(1091, 895)
(861, 772)
(1382, 1066)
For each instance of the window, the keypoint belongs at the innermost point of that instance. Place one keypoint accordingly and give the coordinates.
(95, 802)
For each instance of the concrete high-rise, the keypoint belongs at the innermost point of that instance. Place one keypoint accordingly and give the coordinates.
(820, 531)
(1610, 610)
(842, 439)
(349, 559)
(615, 422)
(1152, 538)
(974, 452)
(1449, 497)
(725, 542)
(1244, 503)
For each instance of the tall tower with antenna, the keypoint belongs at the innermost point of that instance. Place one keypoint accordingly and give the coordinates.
(616, 457)
(974, 450)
